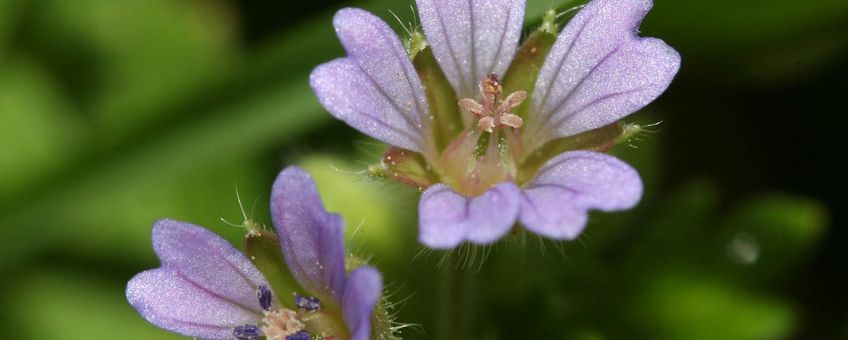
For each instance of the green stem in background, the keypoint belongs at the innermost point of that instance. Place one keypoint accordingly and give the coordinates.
(454, 292)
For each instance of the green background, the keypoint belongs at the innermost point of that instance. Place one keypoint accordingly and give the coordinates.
(116, 113)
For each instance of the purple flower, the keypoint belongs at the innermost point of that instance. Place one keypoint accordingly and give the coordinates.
(498, 151)
(206, 288)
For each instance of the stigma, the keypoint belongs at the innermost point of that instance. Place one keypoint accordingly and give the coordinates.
(494, 113)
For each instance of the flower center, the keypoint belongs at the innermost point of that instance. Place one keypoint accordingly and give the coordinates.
(484, 154)
(280, 323)
(493, 113)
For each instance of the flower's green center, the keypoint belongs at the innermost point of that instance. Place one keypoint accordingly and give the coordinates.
(485, 153)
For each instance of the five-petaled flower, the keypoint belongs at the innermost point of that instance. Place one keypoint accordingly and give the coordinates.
(496, 133)
(206, 288)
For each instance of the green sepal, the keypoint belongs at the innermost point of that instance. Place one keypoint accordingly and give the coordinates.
(408, 167)
(445, 116)
(325, 324)
(600, 140)
(263, 249)
(628, 131)
(383, 321)
(352, 262)
(528, 60)
(549, 24)
(416, 43)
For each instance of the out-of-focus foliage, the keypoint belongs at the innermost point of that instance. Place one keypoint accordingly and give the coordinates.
(116, 113)
(80, 307)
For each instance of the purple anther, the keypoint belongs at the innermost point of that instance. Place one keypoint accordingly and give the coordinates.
(246, 332)
(264, 295)
(308, 303)
(302, 335)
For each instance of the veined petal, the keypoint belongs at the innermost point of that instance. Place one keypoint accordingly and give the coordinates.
(170, 300)
(447, 218)
(598, 71)
(556, 202)
(362, 290)
(311, 238)
(472, 38)
(375, 89)
(205, 260)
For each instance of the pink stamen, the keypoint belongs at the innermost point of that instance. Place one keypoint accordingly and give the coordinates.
(491, 113)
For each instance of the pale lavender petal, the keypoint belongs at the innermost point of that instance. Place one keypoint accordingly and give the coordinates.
(206, 260)
(170, 300)
(375, 89)
(447, 218)
(311, 238)
(472, 38)
(556, 202)
(362, 291)
(598, 71)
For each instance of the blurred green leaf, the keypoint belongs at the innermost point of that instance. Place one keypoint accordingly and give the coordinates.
(117, 221)
(67, 305)
(36, 126)
(773, 233)
(680, 304)
(764, 39)
(243, 130)
(10, 13)
(114, 115)
(713, 28)
(369, 207)
(688, 213)
(134, 60)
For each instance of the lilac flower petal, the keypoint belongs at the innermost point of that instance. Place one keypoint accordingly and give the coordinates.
(598, 71)
(168, 299)
(362, 291)
(311, 238)
(447, 218)
(376, 89)
(472, 38)
(556, 202)
(206, 260)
